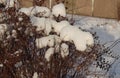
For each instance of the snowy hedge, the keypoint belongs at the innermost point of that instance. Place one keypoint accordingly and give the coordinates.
(34, 44)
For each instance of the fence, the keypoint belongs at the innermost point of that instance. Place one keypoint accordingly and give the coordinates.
(97, 8)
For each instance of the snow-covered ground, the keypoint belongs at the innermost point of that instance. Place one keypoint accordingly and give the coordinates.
(108, 31)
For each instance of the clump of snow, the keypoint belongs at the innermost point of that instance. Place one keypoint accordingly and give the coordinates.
(40, 10)
(14, 33)
(45, 41)
(44, 24)
(35, 75)
(3, 28)
(80, 38)
(48, 26)
(26, 11)
(20, 19)
(58, 26)
(11, 3)
(59, 9)
(1, 65)
(39, 22)
(64, 50)
(49, 40)
(43, 11)
(49, 53)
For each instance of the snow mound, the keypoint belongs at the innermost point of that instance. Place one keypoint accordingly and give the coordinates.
(45, 41)
(35, 75)
(3, 28)
(58, 26)
(41, 11)
(48, 53)
(64, 50)
(11, 3)
(59, 9)
(26, 11)
(39, 22)
(48, 26)
(80, 38)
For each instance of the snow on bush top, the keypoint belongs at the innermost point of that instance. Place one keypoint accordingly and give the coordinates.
(11, 3)
(3, 28)
(59, 9)
(59, 25)
(64, 50)
(48, 53)
(40, 10)
(39, 22)
(80, 38)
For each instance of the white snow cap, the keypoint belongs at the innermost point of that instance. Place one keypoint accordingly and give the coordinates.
(42, 24)
(26, 11)
(64, 50)
(1, 65)
(48, 53)
(3, 28)
(35, 75)
(48, 26)
(39, 22)
(80, 38)
(45, 41)
(11, 3)
(59, 9)
(14, 33)
(43, 11)
(58, 26)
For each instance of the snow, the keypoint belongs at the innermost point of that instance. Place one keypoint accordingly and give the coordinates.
(11, 3)
(42, 11)
(49, 53)
(80, 38)
(45, 41)
(14, 33)
(35, 75)
(58, 26)
(48, 26)
(3, 28)
(1, 65)
(59, 9)
(64, 50)
(26, 11)
(39, 22)
(108, 31)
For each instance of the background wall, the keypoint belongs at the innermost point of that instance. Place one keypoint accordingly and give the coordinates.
(97, 8)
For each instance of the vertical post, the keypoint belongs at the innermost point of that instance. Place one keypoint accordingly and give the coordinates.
(72, 9)
(50, 4)
(93, 6)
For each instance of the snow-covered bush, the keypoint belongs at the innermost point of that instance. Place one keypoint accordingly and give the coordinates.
(39, 22)
(30, 46)
(39, 10)
(12, 3)
(80, 38)
(58, 26)
(59, 10)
